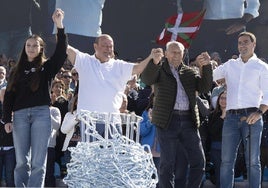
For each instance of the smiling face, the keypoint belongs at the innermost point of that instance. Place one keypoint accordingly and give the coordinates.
(57, 88)
(246, 46)
(32, 48)
(104, 48)
(174, 53)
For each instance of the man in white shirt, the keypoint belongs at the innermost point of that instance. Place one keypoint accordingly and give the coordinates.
(102, 79)
(223, 21)
(247, 99)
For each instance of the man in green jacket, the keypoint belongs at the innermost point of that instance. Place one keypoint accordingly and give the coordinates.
(175, 111)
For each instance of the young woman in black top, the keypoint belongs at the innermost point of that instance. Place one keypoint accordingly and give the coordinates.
(26, 105)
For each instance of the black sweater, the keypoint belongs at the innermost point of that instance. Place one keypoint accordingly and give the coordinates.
(215, 125)
(23, 96)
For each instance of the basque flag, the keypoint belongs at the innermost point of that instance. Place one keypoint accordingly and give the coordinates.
(182, 27)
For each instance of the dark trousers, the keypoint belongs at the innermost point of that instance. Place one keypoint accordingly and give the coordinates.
(50, 180)
(215, 158)
(8, 161)
(180, 130)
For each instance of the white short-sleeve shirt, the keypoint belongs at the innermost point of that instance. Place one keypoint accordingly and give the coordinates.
(101, 84)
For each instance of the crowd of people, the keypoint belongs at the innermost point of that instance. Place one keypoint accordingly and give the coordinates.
(193, 115)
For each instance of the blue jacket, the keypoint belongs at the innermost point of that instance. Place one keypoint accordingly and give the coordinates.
(148, 131)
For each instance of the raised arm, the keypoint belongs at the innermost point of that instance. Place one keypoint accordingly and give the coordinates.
(156, 55)
(71, 52)
(57, 18)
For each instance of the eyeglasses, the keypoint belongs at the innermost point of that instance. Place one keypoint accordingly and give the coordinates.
(74, 73)
(66, 76)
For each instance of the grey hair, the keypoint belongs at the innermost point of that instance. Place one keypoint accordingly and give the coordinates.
(175, 43)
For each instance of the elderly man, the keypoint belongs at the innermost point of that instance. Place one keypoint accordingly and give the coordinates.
(175, 111)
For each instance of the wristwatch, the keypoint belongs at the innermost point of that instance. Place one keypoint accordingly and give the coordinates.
(259, 111)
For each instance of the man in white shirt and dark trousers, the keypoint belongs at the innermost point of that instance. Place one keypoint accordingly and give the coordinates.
(247, 99)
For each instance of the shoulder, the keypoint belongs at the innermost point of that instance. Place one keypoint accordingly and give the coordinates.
(187, 70)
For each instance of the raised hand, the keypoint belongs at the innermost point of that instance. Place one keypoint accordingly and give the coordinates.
(157, 54)
(57, 17)
(203, 59)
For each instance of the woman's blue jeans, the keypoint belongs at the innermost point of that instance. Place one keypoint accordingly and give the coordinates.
(31, 132)
(235, 130)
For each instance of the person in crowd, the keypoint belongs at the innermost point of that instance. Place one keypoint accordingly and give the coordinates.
(67, 79)
(223, 21)
(59, 100)
(148, 132)
(123, 107)
(26, 105)
(247, 99)
(216, 57)
(59, 74)
(175, 110)
(215, 123)
(3, 60)
(75, 79)
(132, 92)
(7, 153)
(50, 180)
(143, 99)
(58, 91)
(3, 81)
(102, 76)
(71, 127)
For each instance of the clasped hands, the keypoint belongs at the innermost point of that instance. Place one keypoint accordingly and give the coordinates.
(203, 59)
(157, 54)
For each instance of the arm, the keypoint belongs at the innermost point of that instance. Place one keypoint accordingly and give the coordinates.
(239, 25)
(9, 98)
(2, 94)
(71, 52)
(59, 56)
(205, 67)
(156, 55)
(55, 118)
(151, 71)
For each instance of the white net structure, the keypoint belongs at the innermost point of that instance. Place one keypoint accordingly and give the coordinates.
(114, 162)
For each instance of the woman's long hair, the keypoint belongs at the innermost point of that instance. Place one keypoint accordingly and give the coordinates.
(218, 106)
(19, 68)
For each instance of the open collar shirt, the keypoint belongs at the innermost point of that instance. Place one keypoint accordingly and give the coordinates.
(182, 101)
(247, 83)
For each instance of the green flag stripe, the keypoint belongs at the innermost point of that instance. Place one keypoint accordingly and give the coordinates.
(193, 19)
